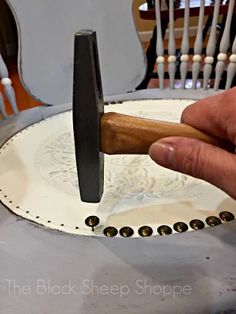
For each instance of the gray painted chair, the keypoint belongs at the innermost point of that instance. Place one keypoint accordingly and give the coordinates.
(43, 271)
(46, 64)
(54, 58)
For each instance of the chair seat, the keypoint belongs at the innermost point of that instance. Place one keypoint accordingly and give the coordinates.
(34, 256)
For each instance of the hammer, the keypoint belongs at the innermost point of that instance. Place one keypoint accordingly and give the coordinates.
(96, 132)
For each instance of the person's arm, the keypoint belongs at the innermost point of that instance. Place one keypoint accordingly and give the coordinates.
(215, 115)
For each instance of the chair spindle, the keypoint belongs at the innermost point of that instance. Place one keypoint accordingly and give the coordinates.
(2, 108)
(211, 46)
(197, 57)
(224, 45)
(171, 47)
(185, 46)
(231, 70)
(159, 47)
(7, 83)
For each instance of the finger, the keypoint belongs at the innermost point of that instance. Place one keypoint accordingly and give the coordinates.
(214, 115)
(197, 159)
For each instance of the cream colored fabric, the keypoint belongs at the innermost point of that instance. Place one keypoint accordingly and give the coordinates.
(38, 180)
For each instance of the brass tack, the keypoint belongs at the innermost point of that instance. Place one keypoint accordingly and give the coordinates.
(126, 232)
(226, 216)
(213, 221)
(92, 221)
(180, 226)
(164, 230)
(110, 232)
(145, 231)
(196, 224)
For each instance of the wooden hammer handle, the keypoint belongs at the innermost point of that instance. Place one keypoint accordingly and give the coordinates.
(123, 134)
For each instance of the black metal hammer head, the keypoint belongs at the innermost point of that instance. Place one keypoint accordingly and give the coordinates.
(88, 106)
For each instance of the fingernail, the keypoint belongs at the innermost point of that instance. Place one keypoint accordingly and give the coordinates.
(162, 153)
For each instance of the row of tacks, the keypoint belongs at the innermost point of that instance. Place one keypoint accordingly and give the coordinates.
(147, 231)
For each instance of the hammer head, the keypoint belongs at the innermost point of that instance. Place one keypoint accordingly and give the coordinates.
(88, 106)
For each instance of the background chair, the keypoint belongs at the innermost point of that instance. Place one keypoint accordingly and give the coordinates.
(122, 72)
(31, 256)
(147, 12)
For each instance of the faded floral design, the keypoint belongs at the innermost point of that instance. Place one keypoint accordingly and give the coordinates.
(126, 176)
(141, 183)
(131, 182)
(55, 161)
(132, 161)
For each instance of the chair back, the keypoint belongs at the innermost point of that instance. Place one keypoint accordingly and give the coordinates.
(46, 39)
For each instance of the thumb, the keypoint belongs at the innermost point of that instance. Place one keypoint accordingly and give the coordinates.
(198, 159)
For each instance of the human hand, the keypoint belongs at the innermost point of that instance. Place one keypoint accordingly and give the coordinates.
(215, 115)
